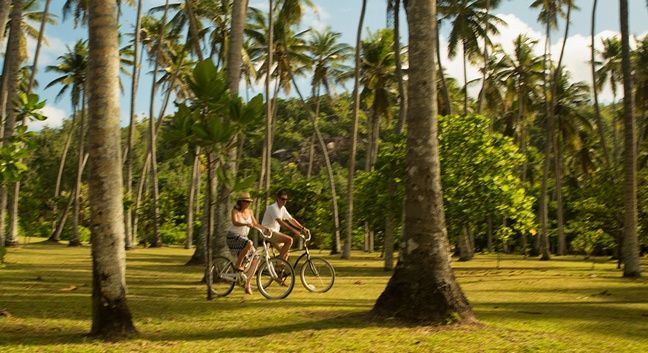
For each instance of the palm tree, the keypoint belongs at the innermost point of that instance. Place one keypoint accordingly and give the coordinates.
(490, 4)
(610, 73)
(8, 98)
(470, 24)
(44, 18)
(640, 64)
(128, 155)
(393, 13)
(379, 85)
(597, 110)
(155, 59)
(522, 72)
(5, 6)
(630, 248)
(423, 287)
(354, 133)
(111, 317)
(328, 57)
(72, 67)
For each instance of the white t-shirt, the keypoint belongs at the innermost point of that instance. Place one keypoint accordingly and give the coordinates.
(272, 213)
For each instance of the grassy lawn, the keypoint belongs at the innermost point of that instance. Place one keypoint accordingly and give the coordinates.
(523, 305)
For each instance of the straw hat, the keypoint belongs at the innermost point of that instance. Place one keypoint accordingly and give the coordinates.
(244, 196)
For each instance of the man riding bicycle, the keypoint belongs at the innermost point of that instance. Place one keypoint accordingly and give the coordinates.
(276, 217)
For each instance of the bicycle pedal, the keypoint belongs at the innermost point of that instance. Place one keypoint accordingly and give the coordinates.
(241, 279)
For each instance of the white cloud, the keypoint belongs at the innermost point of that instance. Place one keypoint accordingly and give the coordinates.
(55, 117)
(576, 58)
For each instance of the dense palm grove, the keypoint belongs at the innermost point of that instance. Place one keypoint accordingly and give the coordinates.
(532, 164)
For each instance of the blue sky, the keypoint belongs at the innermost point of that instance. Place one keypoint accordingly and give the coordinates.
(342, 16)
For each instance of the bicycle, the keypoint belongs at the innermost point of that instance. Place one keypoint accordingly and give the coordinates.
(275, 277)
(316, 274)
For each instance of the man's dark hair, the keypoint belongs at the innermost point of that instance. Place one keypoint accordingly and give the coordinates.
(281, 193)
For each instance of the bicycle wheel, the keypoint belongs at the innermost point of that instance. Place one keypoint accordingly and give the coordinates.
(317, 275)
(223, 276)
(275, 278)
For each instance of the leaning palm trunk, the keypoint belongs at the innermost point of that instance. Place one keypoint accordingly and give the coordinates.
(130, 236)
(157, 240)
(57, 187)
(56, 232)
(335, 219)
(354, 137)
(75, 239)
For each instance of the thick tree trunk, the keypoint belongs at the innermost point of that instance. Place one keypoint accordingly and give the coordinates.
(423, 287)
(630, 249)
(8, 94)
(111, 317)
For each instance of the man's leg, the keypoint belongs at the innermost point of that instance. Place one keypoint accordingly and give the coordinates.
(283, 243)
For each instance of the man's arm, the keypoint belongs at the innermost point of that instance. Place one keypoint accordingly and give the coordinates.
(289, 225)
(294, 223)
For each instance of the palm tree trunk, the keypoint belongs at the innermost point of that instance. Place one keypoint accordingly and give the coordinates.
(191, 199)
(75, 239)
(157, 240)
(5, 7)
(402, 109)
(465, 75)
(354, 137)
(446, 89)
(266, 163)
(543, 214)
(630, 253)
(111, 317)
(130, 236)
(8, 94)
(423, 287)
(597, 110)
(233, 74)
(335, 244)
(562, 244)
(58, 229)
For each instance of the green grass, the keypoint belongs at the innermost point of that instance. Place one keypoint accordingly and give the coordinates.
(525, 305)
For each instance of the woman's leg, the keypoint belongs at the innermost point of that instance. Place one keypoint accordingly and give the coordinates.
(241, 256)
(250, 274)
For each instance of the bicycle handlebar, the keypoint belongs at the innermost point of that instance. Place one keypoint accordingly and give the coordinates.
(304, 236)
(263, 232)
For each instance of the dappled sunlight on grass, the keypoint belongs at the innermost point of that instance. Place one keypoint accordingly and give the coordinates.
(566, 304)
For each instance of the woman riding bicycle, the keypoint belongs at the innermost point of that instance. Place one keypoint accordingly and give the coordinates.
(237, 237)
